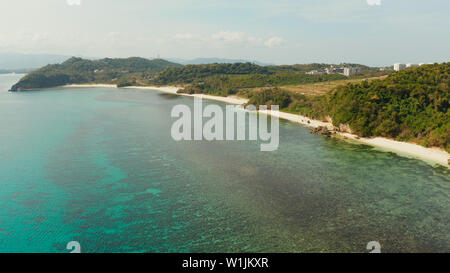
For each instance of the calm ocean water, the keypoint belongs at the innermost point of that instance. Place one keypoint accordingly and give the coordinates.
(99, 166)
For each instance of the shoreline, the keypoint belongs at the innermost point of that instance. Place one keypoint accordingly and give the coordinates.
(434, 155)
(166, 89)
(88, 85)
(174, 89)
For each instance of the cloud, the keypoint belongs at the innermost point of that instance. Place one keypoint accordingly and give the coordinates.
(374, 2)
(229, 36)
(274, 42)
(74, 2)
(185, 36)
(113, 36)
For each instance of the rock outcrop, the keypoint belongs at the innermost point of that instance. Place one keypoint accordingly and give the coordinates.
(321, 130)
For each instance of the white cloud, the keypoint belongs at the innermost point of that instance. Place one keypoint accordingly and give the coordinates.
(113, 36)
(274, 42)
(185, 36)
(374, 2)
(74, 2)
(229, 36)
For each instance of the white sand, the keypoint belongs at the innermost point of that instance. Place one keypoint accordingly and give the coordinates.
(168, 89)
(229, 99)
(433, 155)
(174, 89)
(89, 85)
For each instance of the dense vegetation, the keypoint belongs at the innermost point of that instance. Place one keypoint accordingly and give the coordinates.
(271, 96)
(315, 66)
(224, 85)
(193, 73)
(77, 70)
(219, 79)
(196, 73)
(229, 79)
(410, 105)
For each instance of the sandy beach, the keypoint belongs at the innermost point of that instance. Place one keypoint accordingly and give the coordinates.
(174, 89)
(168, 89)
(432, 155)
(89, 85)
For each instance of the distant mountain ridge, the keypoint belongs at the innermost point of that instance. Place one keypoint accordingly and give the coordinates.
(18, 61)
(17, 71)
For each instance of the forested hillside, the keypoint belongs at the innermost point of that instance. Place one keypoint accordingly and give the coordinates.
(410, 105)
(224, 85)
(221, 79)
(195, 73)
(77, 70)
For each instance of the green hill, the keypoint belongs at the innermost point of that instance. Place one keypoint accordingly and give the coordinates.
(78, 70)
(217, 78)
(224, 85)
(410, 105)
(193, 73)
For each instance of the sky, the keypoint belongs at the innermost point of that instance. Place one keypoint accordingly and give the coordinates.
(371, 32)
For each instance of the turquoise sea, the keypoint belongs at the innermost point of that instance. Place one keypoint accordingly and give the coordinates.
(98, 166)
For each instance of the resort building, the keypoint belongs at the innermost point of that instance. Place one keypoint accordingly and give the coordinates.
(347, 71)
(351, 71)
(398, 66)
(315, 72)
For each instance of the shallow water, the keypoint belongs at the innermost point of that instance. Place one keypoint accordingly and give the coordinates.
(98, 166)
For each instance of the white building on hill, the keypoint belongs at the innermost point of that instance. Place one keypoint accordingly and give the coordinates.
(398, 66)
(351, 71)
